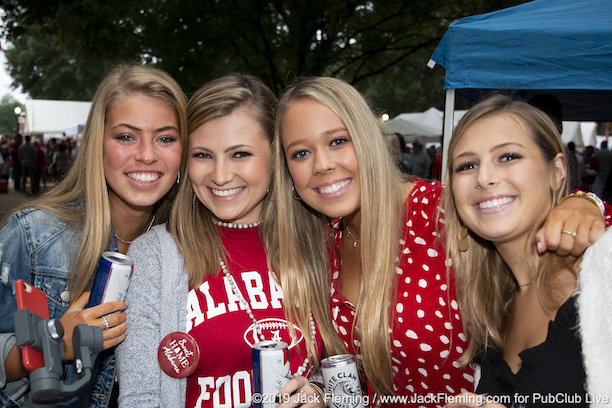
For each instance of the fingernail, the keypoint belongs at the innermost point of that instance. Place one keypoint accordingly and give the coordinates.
(540, 247)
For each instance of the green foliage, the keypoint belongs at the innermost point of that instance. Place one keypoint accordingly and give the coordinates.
(8, 118)
(62, 48)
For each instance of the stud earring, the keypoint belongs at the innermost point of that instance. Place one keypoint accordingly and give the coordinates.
(463, 242)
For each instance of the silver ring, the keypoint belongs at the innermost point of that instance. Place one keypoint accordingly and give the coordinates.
(301, 391)
(573, 234)
(105, 323)
(484, 400)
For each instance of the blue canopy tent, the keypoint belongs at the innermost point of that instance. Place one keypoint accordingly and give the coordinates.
(559, 47)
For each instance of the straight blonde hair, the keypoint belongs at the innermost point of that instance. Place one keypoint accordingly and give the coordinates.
(486, 287)
(82, 198)
(305, 236)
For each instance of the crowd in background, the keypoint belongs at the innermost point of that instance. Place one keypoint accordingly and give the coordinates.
(35, 160)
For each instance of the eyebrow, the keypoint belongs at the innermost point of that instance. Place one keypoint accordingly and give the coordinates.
(229, 149)
(496, 147)
(326, 132)
(132, 127)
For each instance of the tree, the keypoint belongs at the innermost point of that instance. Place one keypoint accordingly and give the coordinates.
(8, 117)
(377, 45)
(45, 69)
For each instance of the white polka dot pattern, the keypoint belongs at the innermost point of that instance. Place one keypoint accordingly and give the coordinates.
(426, 328)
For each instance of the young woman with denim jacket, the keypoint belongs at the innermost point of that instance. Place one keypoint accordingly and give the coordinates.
(121, 183)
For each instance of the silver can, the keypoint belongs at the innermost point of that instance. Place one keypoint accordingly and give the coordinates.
(342, 385)
(112, 278)
(271, 371)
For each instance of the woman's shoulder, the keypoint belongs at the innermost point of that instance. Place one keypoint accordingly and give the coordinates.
(39, 220)
(158, 235)
(423, 192)
(157, 239)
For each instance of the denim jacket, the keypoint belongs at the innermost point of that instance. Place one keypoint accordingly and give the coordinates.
(39, 248)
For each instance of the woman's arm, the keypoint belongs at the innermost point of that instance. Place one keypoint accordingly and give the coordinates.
(140, 376)
(573, 215)
(15, 261)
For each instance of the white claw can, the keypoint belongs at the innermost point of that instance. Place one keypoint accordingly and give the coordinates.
(342, 385)
(271, 371)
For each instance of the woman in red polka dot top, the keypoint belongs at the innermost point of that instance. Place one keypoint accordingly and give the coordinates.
(392, 302)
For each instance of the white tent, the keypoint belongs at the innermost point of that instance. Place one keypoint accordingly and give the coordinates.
(47, 116)
(425, 126)
(581, 133)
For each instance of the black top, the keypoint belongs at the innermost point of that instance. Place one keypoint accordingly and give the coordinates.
(551, 373)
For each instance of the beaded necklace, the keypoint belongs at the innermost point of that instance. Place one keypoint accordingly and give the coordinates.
(313, 330)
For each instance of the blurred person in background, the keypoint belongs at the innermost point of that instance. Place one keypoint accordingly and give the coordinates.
(27, 157)
(420, 160)
(15, 163)
(604, 156)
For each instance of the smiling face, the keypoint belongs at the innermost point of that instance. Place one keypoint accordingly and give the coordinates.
(321, 158)
(230, 166)
(142, 151)
(501, 182)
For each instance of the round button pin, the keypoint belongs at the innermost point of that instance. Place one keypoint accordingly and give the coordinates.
(178, 354)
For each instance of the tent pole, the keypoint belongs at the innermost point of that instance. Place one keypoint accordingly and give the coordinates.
(449, 113)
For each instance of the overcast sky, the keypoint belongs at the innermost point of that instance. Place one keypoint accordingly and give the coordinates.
(5, 81)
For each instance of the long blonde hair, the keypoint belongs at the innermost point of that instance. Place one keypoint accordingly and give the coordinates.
(304, 233)
(486, 287)
(192, 224)
(82, 199)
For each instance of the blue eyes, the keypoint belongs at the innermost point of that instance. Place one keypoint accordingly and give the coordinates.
(504, 158)
(510, 157)
(126, 137)
(301, 154)
(464, 167)
(236, 155)
(241, 155)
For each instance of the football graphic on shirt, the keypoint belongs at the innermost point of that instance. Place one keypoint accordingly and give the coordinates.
(273, 329)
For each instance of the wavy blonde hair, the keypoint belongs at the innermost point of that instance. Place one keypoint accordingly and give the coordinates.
(486, 287)
(82, 199)
(304, 234)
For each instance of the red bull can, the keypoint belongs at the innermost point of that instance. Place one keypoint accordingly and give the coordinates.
(342, 384)
(112, 278)
(271, 371)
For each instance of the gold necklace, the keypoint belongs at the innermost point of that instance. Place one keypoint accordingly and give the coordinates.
(356, 241)
(148, 228)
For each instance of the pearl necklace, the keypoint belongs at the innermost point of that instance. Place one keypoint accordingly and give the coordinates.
(148, 228)
(239, 226)
(313, 329)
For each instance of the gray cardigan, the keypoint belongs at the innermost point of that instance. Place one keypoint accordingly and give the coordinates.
(157, 305)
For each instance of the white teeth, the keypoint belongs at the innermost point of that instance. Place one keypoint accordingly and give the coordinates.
(226, 193)
(334, 187)
(144, 177)
(496, 202)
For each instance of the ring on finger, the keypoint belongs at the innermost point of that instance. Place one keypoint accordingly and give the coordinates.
(573, 234)
(484, 398)
(105, 323)
(302, 391)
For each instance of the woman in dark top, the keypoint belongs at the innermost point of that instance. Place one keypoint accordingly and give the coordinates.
(507, 171)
